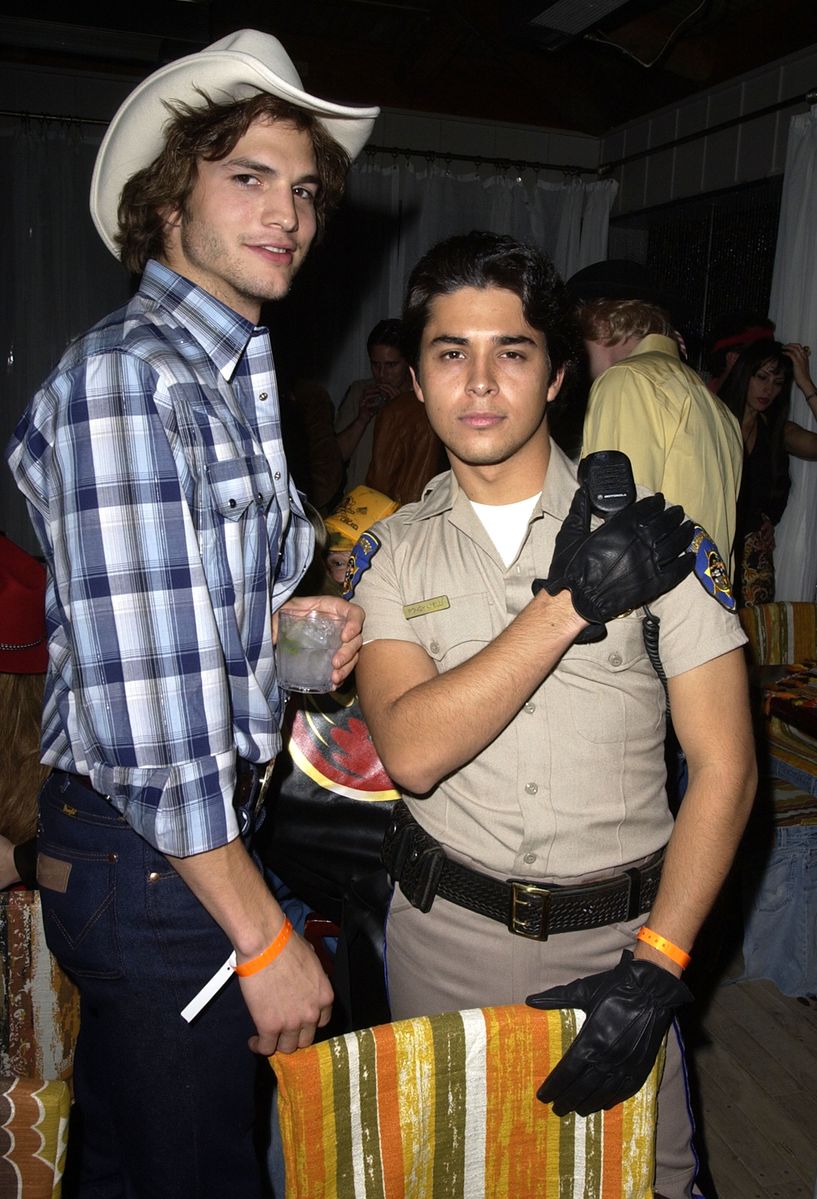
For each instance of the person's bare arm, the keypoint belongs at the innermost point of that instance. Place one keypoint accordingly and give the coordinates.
(371, 401)
(710, 712)
(800, 442)
(290, 998)
(407, 704)
(8, 868)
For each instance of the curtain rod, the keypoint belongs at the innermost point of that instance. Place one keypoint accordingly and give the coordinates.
(480, 160)
(395, 151)
(809, 98)
(52, 116)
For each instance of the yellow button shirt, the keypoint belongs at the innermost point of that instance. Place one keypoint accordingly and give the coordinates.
(680, 439)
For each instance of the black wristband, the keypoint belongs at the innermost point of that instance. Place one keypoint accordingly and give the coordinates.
(25, 863)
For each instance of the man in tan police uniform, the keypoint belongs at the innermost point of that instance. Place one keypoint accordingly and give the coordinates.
(522, 752)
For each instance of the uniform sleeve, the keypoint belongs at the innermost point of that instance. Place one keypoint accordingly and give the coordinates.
(623, 414)
(134, 636)
(380, 595)
(695, 627)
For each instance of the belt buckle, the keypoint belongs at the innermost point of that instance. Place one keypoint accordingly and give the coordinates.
(263, 786)
(528, 899)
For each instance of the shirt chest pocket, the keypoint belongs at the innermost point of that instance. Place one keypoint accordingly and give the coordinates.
(609, 678)
(453, 634)
(239, 485)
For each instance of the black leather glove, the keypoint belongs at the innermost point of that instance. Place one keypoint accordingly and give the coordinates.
(637, 555)
(628, 1011)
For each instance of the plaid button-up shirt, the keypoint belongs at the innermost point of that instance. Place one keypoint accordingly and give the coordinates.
(155, 476)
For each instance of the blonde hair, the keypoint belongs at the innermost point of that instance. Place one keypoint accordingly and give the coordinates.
(21, 775)
(613, 321)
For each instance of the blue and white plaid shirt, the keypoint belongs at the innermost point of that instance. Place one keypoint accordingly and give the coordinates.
(155, 476)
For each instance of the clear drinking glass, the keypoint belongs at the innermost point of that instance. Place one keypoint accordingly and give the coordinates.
(307, 643)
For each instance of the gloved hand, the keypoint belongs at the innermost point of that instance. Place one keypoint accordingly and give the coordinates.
(637, 555)
(628, 1011)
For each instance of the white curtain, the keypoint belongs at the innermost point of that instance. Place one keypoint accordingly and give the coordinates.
(57, 279)
(793, 307)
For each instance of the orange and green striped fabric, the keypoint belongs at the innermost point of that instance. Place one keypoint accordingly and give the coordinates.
(444, 1107)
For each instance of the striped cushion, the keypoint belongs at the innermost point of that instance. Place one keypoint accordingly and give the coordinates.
(445, 1107)
(785, 633)
(782, 632)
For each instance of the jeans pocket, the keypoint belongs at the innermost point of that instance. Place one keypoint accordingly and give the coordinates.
(79, 915)
(77, 874)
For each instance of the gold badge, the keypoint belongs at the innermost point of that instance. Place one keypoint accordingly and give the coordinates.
(423, 607)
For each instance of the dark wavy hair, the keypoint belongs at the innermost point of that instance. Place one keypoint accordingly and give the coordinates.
(388, 332)
(736, 388)
(210, 131)
(750, 360)
(480, 259)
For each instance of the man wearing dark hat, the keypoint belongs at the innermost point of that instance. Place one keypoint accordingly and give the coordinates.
(154, 472)
(648, 403)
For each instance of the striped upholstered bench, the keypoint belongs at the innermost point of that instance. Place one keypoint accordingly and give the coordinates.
(445, 1107)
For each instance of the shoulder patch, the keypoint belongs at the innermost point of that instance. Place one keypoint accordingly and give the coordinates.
(360, 560)
(710, 569)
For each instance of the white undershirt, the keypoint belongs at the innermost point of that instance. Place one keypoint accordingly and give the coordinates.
(506, 524)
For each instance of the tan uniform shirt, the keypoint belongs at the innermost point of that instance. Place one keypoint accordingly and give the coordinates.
(575, 783)
(680, 438)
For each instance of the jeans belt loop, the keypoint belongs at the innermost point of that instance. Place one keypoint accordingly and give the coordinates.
(529, 901)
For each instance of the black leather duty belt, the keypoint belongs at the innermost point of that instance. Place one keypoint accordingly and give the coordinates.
(418, 862)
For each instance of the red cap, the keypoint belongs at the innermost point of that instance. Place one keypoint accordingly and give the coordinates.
(23, 648)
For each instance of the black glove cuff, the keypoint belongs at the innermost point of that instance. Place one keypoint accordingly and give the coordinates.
(657, 982)
(545, 585)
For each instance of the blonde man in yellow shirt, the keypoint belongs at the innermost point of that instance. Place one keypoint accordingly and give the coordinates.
(680, 439)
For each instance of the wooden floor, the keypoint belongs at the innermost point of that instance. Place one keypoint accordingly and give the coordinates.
(754, 1071)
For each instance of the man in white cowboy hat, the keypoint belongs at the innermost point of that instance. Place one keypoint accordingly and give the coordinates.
(152, 463)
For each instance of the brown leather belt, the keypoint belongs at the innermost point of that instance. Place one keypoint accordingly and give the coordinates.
(418, 862)
(247, 774)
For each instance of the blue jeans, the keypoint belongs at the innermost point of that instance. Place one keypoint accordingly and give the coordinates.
(780, 928)
(167, 1109)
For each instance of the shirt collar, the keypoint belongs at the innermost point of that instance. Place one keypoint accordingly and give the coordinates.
(560, 484)
(444, 493)
(656, 343)
(222, 334)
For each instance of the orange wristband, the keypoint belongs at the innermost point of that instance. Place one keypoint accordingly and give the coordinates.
(664, 946)
(267, 955)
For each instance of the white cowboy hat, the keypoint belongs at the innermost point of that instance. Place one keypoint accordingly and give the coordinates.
(235, 67)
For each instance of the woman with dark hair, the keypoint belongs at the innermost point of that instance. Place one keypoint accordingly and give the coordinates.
(757, 392)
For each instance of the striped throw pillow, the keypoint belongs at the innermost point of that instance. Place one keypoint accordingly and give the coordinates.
(444, 1107)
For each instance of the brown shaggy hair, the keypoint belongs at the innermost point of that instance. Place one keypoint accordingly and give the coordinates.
(21, 704)
(613, 321)
(210, 132)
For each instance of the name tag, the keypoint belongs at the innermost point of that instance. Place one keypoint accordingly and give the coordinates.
(423, 607)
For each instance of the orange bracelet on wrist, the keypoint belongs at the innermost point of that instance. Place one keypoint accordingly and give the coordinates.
(267, 955)
(663, 946)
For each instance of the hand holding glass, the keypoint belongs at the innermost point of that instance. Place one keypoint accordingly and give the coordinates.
(307, 643)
